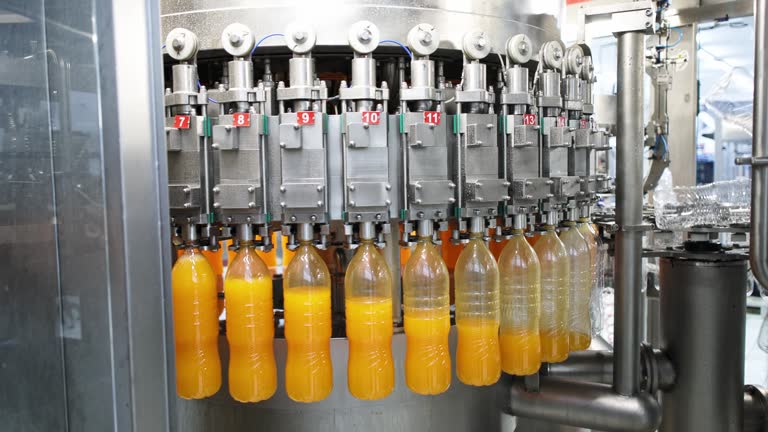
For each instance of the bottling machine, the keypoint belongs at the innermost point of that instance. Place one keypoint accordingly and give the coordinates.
(338, 123)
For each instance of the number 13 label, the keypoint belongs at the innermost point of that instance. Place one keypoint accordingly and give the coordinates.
(371, 117)
(305, 118)
(529, 119)
(432, 117)
(241, 120)
(181, 122)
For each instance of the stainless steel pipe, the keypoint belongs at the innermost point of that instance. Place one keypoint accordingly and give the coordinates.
(629, 212)
(759, 227)
(586, 405)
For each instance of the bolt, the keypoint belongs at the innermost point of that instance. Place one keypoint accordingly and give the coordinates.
(476, 212)
(351, 187)
(426, 37)
(215, 205)
(451, 200)
(299, 36)
(481, 42)
(439, 214)
(215, 145)
(282, 189)
(418, 201)
(388, 186)
(378, 216)
(188, 205)
(251, 204)
(452, 185)
(358, 217)
(557, 54)
(235, 39)
(177, 44)
(188, 190)
(293, 218)
(320, 188)
(229, 219)
(647, 24)
(648, 12)
(387, 202)
(251, 189)
(365, 34)
(282, 204)
(313, 218)
(319, 203)
(420, 214)
(523, 47)
(352, 204)
(282, 145)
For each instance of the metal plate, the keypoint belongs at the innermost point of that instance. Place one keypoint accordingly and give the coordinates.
(431, 192)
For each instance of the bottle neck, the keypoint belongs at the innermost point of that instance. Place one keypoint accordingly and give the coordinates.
(366, 242)
(583, 220)
(475, 236)
(549, 228)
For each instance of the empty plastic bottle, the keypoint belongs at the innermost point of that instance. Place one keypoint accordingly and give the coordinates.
(519, 275)
(195, 325)
(579, 287)
(553, 324)
(368, 304)
(478, 361)
(427, 319)
(307, 298)
(250, 327)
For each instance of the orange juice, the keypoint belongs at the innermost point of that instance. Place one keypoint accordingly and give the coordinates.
(370, 369)
(478, 360)
(195, 326)
(308, 369)
(250, 331)
(554, 345)
(217, 263)
(520, 352)
(427, 358)
(579, 341)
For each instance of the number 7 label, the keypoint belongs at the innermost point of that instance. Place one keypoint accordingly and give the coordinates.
(305, 118)
(181, 122)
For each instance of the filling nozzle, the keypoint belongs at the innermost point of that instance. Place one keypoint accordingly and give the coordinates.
(189, 233)
(552, 218)
(425, 228)
(305, 232)
(476, 224)
(519, 221)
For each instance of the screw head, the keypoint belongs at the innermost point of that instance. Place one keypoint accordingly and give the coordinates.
(293, 218)
(299, 36)
(235, 39)
(313, 218)
(648, 12)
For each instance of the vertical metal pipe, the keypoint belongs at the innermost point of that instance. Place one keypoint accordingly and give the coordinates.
(629, 212)
(759, 232)
(703, 313)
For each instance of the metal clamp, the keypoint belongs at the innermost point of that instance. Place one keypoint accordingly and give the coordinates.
(754, 161)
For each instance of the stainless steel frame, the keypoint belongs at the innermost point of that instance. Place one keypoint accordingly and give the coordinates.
(759, 229)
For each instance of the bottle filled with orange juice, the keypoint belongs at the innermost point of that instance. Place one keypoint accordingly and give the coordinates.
(427, 320)
(520, 275)
(478, 361)
(579, 287)
(195, 322)
(553, 324)
(307, 298)
(596, 251)
(250, 324)
(368, 305)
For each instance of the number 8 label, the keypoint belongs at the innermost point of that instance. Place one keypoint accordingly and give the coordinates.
(181, 122)
(371, 117)
(241, 120)
(305, 118)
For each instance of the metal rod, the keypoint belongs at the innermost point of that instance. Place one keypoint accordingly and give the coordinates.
(585, 405)
(759, 229)
(629, 212)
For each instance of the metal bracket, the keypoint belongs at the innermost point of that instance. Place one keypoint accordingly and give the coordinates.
(623, 17)
(754, 161)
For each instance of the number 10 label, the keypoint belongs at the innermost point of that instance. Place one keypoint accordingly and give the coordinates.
(371, 117)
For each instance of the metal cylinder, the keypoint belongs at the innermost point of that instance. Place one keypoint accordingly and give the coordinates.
(572, 88)
(587, 405)
(759, 230)
(703, 313)
(476, 224)
(184, 78)
(629, 212)
(550, 84)
(240, 74)
(367, 231)
(425, 228)
(363, 72)
(245, 232)
(189, 233)
(422, 73)
(755, 409)
(301, 71)
(516, 80)
(305, 232)
(474, 77)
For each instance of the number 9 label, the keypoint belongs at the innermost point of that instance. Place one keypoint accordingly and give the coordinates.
(305, 118)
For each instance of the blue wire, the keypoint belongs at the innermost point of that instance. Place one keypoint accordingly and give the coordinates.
(263, 39)
(198, 84)
(679, 39)
(212, 100)
(163, 46)
(410, 54)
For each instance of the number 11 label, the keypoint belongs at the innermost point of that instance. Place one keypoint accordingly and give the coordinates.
(432, 117)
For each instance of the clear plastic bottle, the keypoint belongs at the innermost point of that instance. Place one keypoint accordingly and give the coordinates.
(594, 244)
(307, 298)
(195, 325)
(520, 289)
(368, 304)
(553, 324)
(250, 327)
(478, 361)
(426, 304)
(579, 287)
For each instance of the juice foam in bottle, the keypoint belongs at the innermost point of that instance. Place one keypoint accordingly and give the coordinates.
(519, 275)
(553, 324)
(427, 320)
(478, 361)
(368, 305)
(307, 298)
(195, 325)
(250, 327)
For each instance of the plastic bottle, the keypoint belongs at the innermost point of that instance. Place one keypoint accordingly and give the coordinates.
(478, 360)
(594, 244)
(195, 325)
(368, 304)
(553, 324)
(579, 287)
(519, 275)
(307, 298)
(250, 327)
(427, 319)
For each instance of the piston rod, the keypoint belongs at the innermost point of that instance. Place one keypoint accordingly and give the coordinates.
(759, 227)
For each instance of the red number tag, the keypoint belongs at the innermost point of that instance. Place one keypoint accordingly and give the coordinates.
(241, 120)
(371, 117)
(305, 118)
(432, 117)
(561, 121)
(584, 124)
(181, 122)
(529, 119)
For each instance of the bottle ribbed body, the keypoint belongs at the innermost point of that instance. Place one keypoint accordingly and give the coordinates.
(553, 324)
